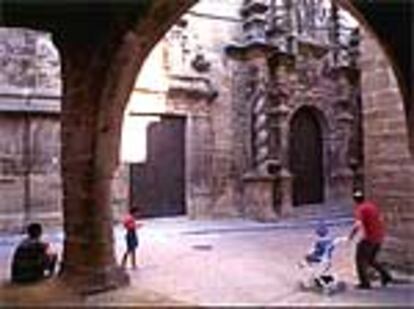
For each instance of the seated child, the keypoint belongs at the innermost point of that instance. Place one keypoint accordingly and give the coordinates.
(33, 259)
(322, 247)
(317, 263)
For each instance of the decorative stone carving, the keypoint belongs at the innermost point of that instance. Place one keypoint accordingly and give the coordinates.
(29, 62)
(192, 86)
(298, 45)
(200, 64)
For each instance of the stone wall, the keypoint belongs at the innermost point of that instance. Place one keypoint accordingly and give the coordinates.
(29, 170)
(30, 88)
(193, 79)
(120, 192)
(224, 181)
(389, 166)
(30, 181)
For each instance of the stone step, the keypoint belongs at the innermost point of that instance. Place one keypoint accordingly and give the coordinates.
(321, 211)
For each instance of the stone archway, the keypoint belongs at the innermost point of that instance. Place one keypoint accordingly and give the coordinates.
(306, 158)
(103, 46)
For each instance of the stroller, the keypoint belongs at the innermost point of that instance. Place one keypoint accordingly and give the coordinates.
(316, 267)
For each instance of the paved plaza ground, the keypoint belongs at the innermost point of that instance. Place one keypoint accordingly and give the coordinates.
(225, 262)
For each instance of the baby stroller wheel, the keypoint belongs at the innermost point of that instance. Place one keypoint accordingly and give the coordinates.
(335, 287)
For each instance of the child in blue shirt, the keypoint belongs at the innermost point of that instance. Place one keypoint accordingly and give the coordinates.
(323, 245)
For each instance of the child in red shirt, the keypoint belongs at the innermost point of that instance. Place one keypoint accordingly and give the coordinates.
(131, 237)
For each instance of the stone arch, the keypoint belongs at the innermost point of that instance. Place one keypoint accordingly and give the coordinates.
(113, 58)
(101, 58)
(390, 25)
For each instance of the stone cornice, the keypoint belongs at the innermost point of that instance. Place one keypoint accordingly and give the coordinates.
(192, 86)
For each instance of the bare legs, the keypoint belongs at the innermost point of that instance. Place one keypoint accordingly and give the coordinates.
(132, 254)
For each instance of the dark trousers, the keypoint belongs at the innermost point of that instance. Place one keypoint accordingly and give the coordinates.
(51, 264)
(366, 255)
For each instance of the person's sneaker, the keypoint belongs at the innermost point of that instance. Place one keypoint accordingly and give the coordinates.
(361, 286)
(385, 281)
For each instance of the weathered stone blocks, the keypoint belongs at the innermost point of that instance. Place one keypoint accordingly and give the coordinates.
(389, 167)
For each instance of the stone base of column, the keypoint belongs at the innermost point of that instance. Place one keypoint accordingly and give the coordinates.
(285, 183)
(91, 281)
(259, 197)
(199, 204)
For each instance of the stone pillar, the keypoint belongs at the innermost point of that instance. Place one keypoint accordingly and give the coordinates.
(279, 119)
(342, 175)
(90, 139)
(284, 175)
(101, 58)
(260, 181)
(254, 51)
(389, 165)
(102, 47)
(279, 115)
(199, 166)
(259, 197)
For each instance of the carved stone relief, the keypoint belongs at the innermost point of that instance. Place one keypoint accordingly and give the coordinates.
(29, 62)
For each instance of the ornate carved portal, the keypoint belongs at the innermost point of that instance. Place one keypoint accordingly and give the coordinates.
(306, 158)
(303, 115)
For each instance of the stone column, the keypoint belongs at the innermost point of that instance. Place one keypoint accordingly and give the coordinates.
(199, 153)
(278, 113)
(259, 196)
(342, 175)
(283, 176)
(100, 63)
(90, 140)
(259, 182)
(102, 48)
(344, 172)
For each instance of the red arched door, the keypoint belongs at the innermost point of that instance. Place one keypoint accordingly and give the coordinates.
(306, 158)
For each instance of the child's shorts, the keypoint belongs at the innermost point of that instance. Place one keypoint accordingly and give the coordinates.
(131, 240)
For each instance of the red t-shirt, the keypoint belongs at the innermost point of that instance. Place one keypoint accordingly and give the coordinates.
(371, 220)
(129, 222)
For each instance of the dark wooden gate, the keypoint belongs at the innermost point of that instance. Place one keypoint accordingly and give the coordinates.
(306, 158)
(158, 185)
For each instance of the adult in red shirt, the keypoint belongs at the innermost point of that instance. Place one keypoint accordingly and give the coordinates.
(369, 221)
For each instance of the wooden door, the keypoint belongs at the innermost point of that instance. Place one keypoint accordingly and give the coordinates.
(306, 158)
(158, 185)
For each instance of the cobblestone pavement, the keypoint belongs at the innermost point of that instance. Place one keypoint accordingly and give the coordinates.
(230, 262)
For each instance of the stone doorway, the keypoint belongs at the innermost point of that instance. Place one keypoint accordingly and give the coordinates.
(158, 185)
(306, 158)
